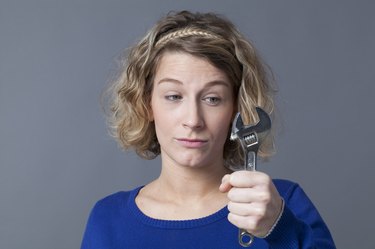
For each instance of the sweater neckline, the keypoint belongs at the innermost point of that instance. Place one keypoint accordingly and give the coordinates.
(173, 224)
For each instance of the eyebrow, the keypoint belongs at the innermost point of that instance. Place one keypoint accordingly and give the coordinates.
(169, 80)
(209, 84)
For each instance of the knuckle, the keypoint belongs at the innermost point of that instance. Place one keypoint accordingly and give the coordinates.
(261, 212)
(247, 209)
(232, 219)
(233, 177)
(230, 206)
(231, 193)
(250, 224)
(265, 197)
(265, 178)
(225, 178)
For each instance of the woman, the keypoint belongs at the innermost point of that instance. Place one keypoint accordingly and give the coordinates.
(176, 97)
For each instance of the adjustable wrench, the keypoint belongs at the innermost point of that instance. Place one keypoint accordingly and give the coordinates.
(250, 138)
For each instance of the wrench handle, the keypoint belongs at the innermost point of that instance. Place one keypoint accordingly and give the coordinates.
(251, 160)
(245, 238)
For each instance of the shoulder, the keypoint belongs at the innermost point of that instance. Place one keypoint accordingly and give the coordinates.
(288, 188)
(284, 186)
(295, 197)
(113, 200)
(112, 204)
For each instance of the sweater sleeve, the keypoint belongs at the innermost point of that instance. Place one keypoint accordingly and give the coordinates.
(300, 226)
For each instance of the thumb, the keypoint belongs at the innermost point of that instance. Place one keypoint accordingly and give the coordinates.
(225, 185)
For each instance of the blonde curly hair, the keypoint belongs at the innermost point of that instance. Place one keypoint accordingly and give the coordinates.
(205, 35)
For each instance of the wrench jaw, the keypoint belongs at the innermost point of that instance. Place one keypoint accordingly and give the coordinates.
(239, 130)
(251, 136)
(236, 126)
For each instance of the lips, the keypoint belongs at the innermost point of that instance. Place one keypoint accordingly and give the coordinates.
(191, 143)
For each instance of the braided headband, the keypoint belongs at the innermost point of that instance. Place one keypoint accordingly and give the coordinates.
(185, 33)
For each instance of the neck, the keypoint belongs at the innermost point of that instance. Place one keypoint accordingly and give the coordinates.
(186, 192)
(182, 183)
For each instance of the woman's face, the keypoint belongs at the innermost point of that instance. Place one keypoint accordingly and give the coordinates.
(192, 107)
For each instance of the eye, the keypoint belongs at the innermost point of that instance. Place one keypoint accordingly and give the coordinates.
(173, 97)
(212, 100)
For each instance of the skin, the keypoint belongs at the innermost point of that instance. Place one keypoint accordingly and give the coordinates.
(254, 202)
(192, 107)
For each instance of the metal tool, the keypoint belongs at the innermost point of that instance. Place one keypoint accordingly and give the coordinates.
(250, 138)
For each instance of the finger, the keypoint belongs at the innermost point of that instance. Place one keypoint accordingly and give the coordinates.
(248, 179)
(225, 185)
(244, 222)
(248, 195)
(249, 223)
(246, 209)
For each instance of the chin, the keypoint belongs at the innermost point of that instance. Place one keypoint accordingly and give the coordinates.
(193, 162)
(190, 159)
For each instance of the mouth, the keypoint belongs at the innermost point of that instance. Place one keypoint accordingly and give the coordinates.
(191, 143)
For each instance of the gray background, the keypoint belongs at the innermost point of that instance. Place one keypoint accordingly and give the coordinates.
(57, 159)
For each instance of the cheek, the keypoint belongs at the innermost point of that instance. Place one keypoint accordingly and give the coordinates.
(223, 126)
(160, 129)
(224, 131)
(162, 120)
(159, 114)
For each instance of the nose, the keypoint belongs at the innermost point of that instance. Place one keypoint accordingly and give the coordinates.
(193, 117)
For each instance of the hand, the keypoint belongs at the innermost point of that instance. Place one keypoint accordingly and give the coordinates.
(254, 202)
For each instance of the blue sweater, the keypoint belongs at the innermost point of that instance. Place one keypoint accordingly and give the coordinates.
(116, 222)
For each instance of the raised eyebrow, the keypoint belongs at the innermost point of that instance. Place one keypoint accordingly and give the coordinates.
(218, 82)
(169, 80)
(209, 84)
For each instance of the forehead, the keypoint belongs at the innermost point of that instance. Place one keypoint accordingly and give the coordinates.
(184, 66)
